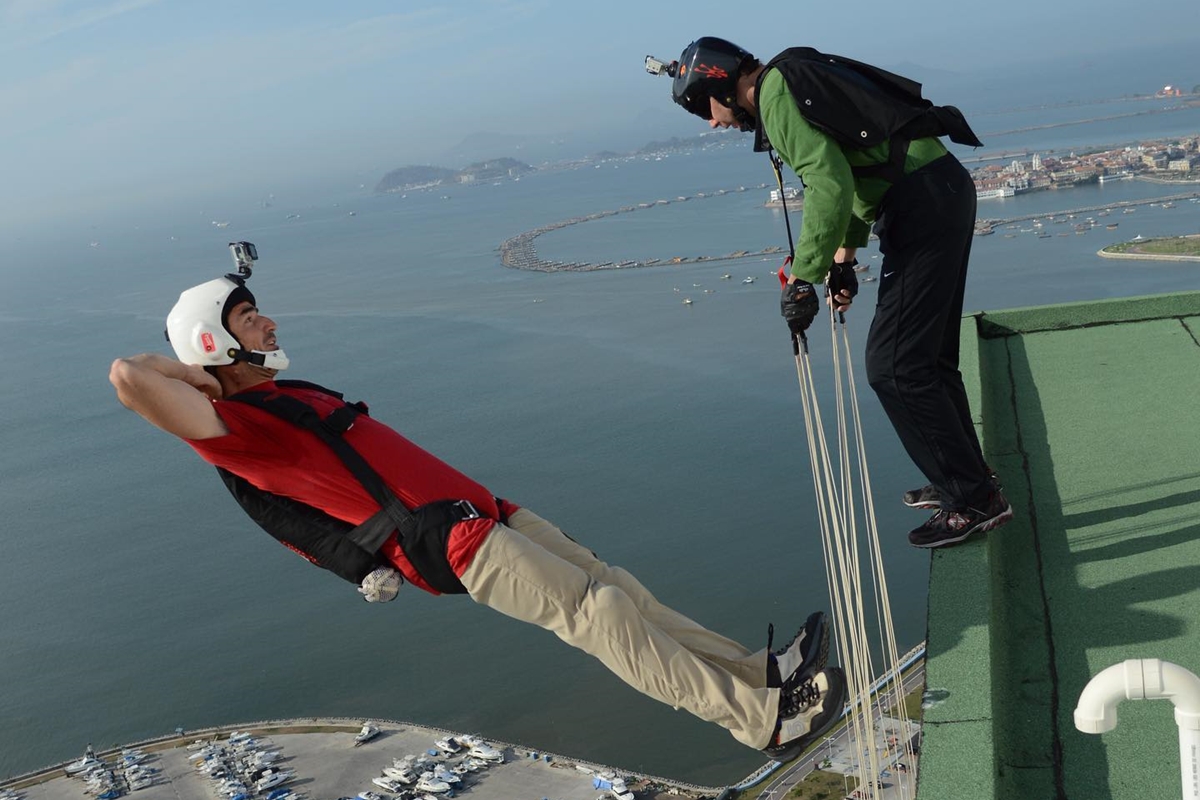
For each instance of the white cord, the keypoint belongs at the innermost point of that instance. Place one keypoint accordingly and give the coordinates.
(846, 574)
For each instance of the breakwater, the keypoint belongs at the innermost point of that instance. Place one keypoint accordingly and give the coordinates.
(993, 222)
(520, 251)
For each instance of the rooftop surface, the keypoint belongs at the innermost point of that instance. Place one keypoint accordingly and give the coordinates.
(1089, 413)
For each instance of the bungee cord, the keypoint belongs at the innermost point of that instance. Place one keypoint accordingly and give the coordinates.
(844, 571)
(847, 570)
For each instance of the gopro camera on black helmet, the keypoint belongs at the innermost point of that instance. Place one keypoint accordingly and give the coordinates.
(244, 256)
(656, 67)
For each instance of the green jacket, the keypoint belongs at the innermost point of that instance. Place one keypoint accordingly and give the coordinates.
(838, 210)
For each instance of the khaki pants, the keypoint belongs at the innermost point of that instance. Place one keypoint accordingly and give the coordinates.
(529, 570)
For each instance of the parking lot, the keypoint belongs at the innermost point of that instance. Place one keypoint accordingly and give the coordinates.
(328, 766)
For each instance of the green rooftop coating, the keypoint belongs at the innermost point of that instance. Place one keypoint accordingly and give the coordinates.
(1091, 414)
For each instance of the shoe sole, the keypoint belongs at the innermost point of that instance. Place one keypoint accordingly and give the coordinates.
(786, 752)
(923, 504)
(983, 527)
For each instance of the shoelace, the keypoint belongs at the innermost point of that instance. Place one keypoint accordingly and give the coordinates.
(799, 699)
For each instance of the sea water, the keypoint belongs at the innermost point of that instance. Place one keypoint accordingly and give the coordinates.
(667, 437)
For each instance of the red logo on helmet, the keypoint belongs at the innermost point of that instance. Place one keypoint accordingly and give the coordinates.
(206, 341)
(710, 72)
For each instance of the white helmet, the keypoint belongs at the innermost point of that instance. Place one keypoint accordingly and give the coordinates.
(197, 330)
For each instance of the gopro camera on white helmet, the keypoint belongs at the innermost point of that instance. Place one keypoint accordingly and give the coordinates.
(244, 256)
(197, 325)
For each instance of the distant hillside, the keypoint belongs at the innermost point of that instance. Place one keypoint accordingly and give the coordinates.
(493, 169)
(415, 177)
(676, 143)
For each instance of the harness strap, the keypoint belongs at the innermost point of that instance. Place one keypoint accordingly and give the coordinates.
(421, 533)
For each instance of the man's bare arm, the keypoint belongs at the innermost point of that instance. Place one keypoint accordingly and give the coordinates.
(169, 394)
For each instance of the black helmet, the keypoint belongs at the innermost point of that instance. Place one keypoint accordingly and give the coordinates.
(709, 67)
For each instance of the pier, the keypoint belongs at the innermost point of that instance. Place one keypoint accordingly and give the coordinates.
(993, 222)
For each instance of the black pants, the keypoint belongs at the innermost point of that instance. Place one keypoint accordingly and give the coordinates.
(925, 229)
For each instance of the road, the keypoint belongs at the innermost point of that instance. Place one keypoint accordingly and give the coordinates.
(837, 749)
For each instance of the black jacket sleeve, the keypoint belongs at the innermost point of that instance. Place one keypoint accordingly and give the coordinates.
(303, 529)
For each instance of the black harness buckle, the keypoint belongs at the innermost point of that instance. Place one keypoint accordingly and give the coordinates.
(467, 510)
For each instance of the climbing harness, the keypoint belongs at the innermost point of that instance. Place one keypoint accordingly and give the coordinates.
(421, 532)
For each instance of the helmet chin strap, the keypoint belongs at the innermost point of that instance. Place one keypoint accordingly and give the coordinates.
(271, 359)
(742, 117)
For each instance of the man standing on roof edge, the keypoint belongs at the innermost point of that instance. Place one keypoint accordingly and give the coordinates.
(301, 478)
(865, 145)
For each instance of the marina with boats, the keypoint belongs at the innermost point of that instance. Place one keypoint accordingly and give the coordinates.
(322, 759)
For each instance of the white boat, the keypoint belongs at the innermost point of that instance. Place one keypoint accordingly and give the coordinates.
(271, 781)
(447, 745)
(687, 301)
(367, 733)
(429, 783)
(485, 752)
(368, 795)
(89, 761)
(388, 784)
(790, 194)
(402, 774)
(748, 279)
(206, 751)
(441, 773)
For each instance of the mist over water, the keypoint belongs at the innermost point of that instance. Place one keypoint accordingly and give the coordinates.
(666, 437)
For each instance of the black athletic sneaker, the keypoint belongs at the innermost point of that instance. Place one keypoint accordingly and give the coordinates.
(807, 709)
(930, 496)
(951, 527)
(803, 656)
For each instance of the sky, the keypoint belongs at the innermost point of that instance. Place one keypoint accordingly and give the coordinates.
(130, 103)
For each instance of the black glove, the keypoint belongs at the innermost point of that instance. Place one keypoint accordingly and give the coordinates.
(842, 278)
(799, 306)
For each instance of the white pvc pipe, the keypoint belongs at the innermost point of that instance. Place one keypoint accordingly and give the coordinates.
(1148, 679)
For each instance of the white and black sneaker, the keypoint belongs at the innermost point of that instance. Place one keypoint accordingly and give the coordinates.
(807, 709)
(803, 656)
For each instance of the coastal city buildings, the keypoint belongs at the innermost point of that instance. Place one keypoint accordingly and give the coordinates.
(1167, 160)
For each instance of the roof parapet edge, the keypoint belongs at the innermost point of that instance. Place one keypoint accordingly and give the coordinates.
(1086, 314)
